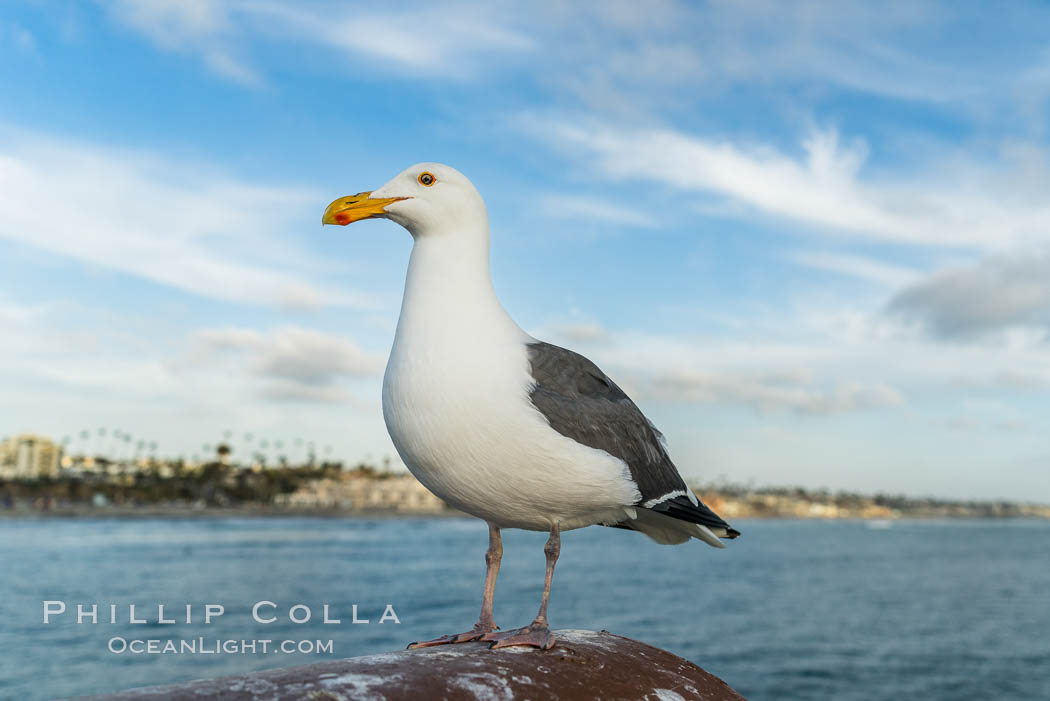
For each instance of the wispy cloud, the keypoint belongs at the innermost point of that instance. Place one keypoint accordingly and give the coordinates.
(416, 40)
(134, 356)
(291, 362)
(428, 40)
(177, 224)
(818, 364)
(773, 376)
(767, 394)
(173, 23)
(14, 34)
(594, 209)
(856, 266)
(204, 27)
(228, 67)
(824, 189)
(864, 46)
(65, 367)
(860, 46)
(16, 314)
(583, 332)
(993, 296)
(682, 52)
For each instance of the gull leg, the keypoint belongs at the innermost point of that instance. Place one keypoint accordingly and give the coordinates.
(493, 556)
(538, 633)
(485, 622)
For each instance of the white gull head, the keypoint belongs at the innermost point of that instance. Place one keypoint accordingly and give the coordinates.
(426, 199)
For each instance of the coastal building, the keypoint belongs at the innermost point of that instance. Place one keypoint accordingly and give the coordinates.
(364, 492)
(28, 456)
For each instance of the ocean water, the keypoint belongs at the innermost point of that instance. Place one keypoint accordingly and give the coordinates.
(792, 610)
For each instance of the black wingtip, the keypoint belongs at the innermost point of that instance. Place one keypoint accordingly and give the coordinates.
(684, 509)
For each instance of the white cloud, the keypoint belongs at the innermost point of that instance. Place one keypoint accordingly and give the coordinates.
(998, 294)
(820, 363)
(65, 367)
(971, 206)
(176, 224)
(668, 58)
(228, 67)
(172, 23)
(582, 332)
(622, 57)
(15, 315)
(424, 40)
(85, 362)
(445, 40)
(204, 27)
(859, 46)
(856, 266)
(291, 362)
(983, 415)
(18, 36)
(594, 210)
(767, 394)
(1014, 379)
(767, 376)
(42, 350)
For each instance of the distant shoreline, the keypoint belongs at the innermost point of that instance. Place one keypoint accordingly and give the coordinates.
(262, 511)
(218, 489)
(153, 511)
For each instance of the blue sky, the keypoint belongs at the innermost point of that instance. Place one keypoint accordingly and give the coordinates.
(811, 240)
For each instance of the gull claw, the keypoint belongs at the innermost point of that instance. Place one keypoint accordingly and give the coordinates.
(476, 633)
(533, 635)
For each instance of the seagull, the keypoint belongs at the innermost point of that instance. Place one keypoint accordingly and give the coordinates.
(515, 431)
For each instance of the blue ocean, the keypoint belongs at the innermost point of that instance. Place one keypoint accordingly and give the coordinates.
(791, 610)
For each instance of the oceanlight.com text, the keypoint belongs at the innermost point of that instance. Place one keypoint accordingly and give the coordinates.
(215, 646)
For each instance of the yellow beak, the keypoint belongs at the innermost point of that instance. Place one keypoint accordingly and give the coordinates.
(346, 210)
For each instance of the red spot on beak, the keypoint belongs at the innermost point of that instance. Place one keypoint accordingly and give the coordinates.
(342, 219)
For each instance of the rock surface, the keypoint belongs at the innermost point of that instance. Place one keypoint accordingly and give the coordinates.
(582, 665)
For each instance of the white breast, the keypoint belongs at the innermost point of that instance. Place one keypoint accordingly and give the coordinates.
(456, 404)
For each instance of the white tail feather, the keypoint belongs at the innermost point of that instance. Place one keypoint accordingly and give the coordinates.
(671, 531)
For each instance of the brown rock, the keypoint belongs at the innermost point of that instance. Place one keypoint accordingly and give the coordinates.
(582, 665)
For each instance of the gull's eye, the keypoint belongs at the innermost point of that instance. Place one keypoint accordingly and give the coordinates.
(427, 179)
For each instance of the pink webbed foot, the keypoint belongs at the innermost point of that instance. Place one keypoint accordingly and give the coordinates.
(476, 633)
(533, 635)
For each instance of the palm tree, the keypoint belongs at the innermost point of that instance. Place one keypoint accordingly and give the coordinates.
(114, 441)
(248, 446)
(66, 440)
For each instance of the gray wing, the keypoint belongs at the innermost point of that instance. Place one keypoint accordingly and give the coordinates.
(582, 403)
